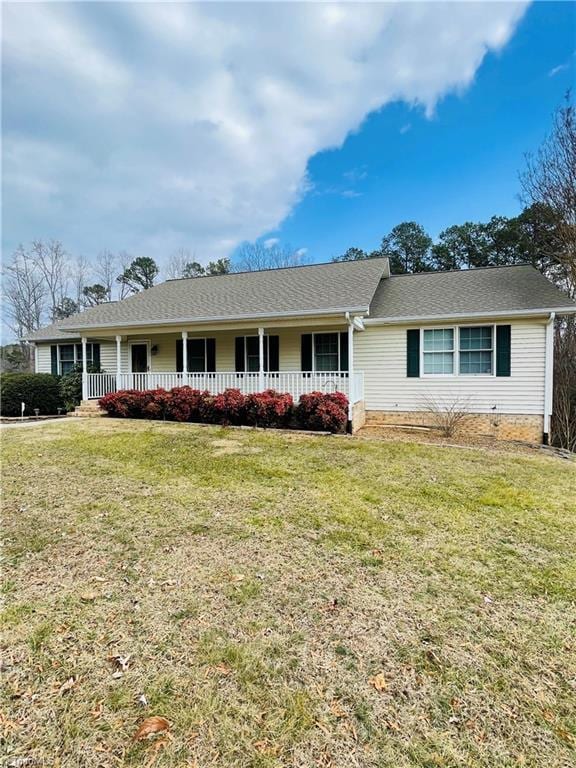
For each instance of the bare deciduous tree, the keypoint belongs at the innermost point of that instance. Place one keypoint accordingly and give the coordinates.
(550, 179)
(105, 270)
(80, 270)
(254, 256)
(178, 262)
(50, 261)
(25, 294)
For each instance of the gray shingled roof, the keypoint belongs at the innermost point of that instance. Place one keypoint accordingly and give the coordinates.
(321, 288)
(446, 294)
(313, 289)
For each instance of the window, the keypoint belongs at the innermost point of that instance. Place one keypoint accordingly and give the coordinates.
(67, 358)
(326, 352)
(196, 355)
(70, 355)
(476, 350)
(438, 351)
(252, 353)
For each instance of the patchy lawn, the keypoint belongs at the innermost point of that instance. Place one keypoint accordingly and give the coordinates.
(284, 600)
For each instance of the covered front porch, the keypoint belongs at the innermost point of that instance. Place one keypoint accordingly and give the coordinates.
(289, 358)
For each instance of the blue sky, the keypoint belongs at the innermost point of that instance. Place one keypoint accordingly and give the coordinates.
(154, 127)
(460, 165)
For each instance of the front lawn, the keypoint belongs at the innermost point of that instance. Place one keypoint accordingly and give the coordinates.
(284, 600)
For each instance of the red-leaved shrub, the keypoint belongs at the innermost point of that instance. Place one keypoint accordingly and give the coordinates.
(325, 412)
(185, 404)
(127, 403)
(268, 409)
(318, 411)
(226, 408)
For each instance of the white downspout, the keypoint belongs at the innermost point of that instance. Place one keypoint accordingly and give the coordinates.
(548, 375)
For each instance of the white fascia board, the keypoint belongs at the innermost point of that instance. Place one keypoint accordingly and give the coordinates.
(466, 315)
(215, 319)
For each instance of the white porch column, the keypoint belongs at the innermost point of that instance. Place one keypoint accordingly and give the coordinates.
(118, 362)
(84, 370)
(185, 357)
(261, 359)
(351, 393)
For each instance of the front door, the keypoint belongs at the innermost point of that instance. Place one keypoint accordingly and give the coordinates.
(139, 358)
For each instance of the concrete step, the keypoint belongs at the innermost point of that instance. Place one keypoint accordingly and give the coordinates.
(88, 409)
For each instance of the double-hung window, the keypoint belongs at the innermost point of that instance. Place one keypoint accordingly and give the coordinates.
(466, 351)
(67, 358)
(476, 350)
(70, 355)
(197, 356)
(438, 351)
(326, 352)
(252, 353)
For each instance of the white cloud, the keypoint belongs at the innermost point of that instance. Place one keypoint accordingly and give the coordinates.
(556, 70)
(271, 241)
(156, 126)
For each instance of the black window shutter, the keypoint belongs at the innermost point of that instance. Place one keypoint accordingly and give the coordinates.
(273, 353)
(211, 355)
(54, 359)
(179, 356)
(306, 352)
(96, 355)
(239, 353)
(413, 352)
(503, 337)
(344, 363)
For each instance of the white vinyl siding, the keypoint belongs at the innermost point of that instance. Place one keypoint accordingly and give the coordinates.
(380, 351)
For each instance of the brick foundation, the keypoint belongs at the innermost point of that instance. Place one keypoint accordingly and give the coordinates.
(525, 427)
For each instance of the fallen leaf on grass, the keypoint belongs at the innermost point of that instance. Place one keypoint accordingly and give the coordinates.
(68, 685)
(337, 710)
(378, 682)
(155, 751)
(98, 709)
(88, 597)
(154, 724)
(264, 747)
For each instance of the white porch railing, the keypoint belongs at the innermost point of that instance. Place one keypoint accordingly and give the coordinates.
(295, 382)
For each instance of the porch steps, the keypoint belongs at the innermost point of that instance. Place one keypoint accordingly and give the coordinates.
(88, 409)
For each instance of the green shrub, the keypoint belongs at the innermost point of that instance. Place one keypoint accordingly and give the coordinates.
(71, 385)
(36, 390)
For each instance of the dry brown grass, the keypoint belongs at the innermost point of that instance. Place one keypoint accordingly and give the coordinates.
(285, 600)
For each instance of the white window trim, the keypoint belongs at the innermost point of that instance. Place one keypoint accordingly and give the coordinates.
(148, 354)
(324, 333)
(456, 351)
(77, 357)
(204, 339)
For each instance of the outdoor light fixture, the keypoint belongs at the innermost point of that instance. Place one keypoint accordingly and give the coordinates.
(154, 349)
